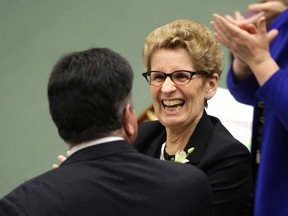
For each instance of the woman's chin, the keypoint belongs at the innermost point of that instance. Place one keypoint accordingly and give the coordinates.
(171, 121)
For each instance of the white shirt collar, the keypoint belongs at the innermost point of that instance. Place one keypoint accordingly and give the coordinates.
(92, 143)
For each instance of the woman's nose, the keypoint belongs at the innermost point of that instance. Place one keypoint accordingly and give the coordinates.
(168, 85)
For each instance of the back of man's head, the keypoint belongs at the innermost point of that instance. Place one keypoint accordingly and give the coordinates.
(87, 93)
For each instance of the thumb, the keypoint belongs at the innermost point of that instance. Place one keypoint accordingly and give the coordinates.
(258, 7)
(272, 34)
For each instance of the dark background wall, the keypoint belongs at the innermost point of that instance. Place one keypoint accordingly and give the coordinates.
(34, 34)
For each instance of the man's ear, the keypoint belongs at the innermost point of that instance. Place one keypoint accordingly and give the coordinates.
(212, 86)
(130, 125)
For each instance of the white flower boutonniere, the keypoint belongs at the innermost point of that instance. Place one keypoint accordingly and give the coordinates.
(181, 156)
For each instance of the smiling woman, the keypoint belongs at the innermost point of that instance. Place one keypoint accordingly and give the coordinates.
(183, 63)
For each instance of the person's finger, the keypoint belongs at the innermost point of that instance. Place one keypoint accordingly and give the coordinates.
(261, 26)
(224, 27)
(253, 19)
(258, 7)
(232, 20)
(222, 34)
(272, 34)
(218, 31)
(61, 158)
(55, 166)
(239, 16)
(250, 28)
(219, 26)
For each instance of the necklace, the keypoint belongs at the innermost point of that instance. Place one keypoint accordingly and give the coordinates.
(162, 151)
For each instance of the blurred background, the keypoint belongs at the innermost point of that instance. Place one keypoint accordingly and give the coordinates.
(35, 34)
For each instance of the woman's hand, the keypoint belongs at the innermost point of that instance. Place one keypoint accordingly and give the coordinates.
(249, 44)
(61, 159)
(270, 9)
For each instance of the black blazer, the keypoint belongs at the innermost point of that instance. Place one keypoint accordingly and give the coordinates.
(224, 159)
(112, 179)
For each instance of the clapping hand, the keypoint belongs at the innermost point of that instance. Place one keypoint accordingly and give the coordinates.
(270, 10)
(249, 44)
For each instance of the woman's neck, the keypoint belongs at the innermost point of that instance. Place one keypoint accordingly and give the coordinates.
(177, 138)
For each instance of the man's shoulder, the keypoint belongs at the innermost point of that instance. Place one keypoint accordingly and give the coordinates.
(25, 196)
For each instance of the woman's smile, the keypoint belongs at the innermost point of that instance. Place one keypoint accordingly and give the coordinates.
(173, 105)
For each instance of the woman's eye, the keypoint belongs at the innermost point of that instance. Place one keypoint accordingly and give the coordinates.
(157, 77)
(181, 76)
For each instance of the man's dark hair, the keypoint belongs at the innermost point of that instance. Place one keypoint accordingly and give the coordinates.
(87, 93)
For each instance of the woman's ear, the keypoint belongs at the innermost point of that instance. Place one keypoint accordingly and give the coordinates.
(130, 124)
(212, 86)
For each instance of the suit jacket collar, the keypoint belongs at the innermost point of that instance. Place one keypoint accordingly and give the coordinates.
(156, 142)
(199, 140)
(93, 142)
(99, 151)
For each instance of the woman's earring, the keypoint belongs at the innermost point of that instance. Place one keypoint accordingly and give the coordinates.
(208, 97)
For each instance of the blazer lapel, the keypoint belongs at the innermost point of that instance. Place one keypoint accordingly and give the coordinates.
(155, 146)
(200, 139)
(151, 136)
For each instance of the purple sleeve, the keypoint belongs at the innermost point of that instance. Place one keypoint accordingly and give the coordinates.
(243, 92)
(274, 93)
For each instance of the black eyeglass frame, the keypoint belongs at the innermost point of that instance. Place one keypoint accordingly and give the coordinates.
(192, 73)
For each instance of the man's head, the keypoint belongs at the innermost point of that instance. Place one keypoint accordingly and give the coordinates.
(89, 96)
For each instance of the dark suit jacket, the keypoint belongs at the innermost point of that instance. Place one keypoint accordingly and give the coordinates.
(112, 179)
(224, 159)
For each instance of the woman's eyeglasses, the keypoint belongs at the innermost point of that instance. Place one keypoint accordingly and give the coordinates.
(179, 77)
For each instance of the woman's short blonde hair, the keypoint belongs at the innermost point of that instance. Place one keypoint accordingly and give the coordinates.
(205, 51)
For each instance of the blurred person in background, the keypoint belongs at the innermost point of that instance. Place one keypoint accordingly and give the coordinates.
(259, 77)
